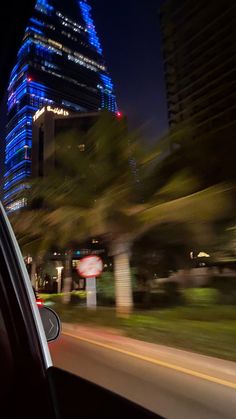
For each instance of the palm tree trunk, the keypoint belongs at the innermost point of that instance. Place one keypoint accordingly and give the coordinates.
(67, 278)
(123, 283)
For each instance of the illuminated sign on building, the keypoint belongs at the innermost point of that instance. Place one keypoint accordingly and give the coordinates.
(57, 111)
(39, 113)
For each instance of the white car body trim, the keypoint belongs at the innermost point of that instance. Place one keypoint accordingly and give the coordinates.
(30, 294)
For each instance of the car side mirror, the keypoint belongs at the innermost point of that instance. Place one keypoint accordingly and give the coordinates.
(51, 323)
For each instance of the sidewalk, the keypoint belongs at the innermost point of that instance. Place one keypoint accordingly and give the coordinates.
(214, 367)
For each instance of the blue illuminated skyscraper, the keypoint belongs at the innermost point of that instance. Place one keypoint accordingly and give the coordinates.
(60, 63)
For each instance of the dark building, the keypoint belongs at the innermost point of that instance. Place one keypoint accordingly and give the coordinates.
(60, 64)
(48, 125)
(200, 64)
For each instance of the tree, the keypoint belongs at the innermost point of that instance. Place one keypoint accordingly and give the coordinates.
(34, 238)
(107, 189)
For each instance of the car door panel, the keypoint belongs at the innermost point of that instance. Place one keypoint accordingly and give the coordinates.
(77, 397)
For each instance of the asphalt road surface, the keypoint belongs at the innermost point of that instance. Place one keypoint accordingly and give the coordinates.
(171, 393)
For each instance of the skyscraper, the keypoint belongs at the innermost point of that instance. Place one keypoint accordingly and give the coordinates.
(200, 64)
(60, 64)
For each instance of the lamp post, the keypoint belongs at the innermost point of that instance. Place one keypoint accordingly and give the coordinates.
(59, 271)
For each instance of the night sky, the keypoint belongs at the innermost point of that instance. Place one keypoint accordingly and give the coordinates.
(129, 31)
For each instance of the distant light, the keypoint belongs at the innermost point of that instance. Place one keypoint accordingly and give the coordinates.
(203, 255)
(29, 79)
(119, 114)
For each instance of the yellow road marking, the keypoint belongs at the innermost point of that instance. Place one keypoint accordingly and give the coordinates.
(157, 362)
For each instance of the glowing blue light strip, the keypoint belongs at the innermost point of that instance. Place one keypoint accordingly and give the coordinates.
(108, 97)
(21, 127)
(27, 110)
(31, 28)
(17, 174)
(16, 74)
(107, 82)
(17, 166)
(21, 134)
(21, 187)
(17, 178)
(17, 94)
(24, 48)
(93, 38)
(34, 88)
(43, 6)
(36, 21)
(18, 147)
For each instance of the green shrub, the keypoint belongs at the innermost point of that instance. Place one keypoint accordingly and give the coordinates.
(51, 297)
(167, 295)
(201, 296)
(226, 286)
(172, 293)
(77, 297)
(105, 300)
(210, 313)
(106, 285)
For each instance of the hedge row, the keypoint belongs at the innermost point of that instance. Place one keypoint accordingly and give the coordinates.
(220, 290)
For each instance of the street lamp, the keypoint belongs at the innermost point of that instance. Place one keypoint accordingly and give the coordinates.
(59, 271)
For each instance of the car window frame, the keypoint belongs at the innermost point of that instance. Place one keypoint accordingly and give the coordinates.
(23, 292)
(30, 350)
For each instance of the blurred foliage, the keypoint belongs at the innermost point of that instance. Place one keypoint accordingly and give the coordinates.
(111, 189)
(226, 286)
(106, 285)
(201, 155)
(77, 297)
(108, 183)
(172, 290)
(201, 296)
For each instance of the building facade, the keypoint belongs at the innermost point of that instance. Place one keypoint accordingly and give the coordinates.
(49, 124)
(200, 64)
(60, 64)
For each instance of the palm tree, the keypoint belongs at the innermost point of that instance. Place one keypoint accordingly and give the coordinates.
(118, 196)
(107, 188)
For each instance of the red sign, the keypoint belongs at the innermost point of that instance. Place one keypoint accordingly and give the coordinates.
(90, 266)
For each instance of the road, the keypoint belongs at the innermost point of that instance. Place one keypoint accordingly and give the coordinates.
(162, 389)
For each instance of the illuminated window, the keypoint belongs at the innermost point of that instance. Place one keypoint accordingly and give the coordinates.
(19, 203)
